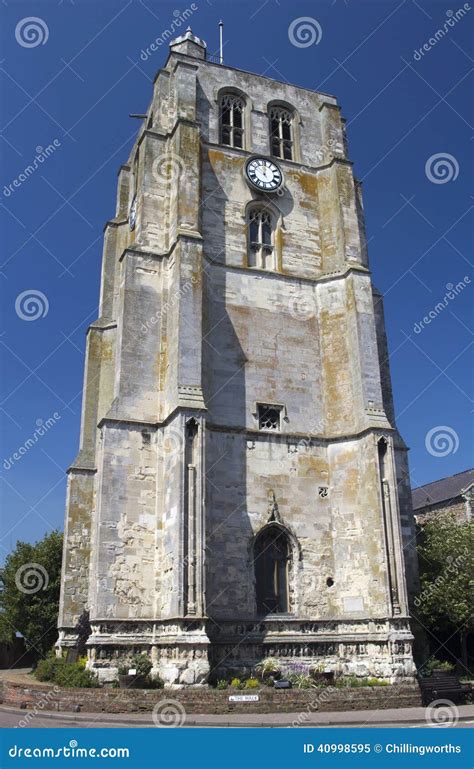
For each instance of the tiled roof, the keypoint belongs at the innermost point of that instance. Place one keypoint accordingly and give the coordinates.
(442, 490)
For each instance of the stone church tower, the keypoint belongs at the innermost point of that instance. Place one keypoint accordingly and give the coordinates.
(241, 490)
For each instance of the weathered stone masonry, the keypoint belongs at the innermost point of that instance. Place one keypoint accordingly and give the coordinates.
(175, 481)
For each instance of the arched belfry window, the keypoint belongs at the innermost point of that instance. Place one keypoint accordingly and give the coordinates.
(281, 133)
(232, 107)
(260, 227)
(272, 554)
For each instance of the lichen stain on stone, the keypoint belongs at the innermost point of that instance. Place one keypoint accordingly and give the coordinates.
(311, 466)
(345, 187)
(309, 185)
(162, 363)
(350, 298)
(107, 350)
(336, 370)
(220, 160)
(78, 546)
(95, 345)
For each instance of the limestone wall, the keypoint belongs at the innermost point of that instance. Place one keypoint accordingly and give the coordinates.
(125, 519)
(340, 536)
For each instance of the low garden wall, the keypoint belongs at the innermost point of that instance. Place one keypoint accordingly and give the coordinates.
(208, 700)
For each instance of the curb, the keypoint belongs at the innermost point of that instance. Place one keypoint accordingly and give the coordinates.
(89, 718)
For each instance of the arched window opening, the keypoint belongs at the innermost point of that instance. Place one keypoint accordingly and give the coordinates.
(232, 120)
(272, 559)
(281, 133)
(260, 239)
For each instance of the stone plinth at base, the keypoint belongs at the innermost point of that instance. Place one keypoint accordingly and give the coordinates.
(191, 652)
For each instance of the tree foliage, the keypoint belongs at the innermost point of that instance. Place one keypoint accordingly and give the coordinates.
(446, 561)
(29, 599)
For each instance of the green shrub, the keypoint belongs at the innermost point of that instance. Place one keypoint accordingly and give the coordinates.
(376, 682)
(316, 671)
(70, 674)
(222, 684)
(142, 678)
(252, 683)
(354, 682)
(268, 667)
(74, 676)
(142, 664)
(348, 681)
(435, 664)
(235, 683)
(46, 669)
(301, 681)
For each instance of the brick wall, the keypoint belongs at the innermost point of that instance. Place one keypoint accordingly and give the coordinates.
(209, 701)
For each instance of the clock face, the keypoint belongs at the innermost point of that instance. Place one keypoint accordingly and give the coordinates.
(263, 174)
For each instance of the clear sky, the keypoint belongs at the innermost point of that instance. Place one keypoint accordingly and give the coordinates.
(69, 80)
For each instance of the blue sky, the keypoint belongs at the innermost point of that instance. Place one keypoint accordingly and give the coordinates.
(74, 86)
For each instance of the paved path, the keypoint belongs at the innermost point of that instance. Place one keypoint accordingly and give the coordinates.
(18, 675)
(400, 717)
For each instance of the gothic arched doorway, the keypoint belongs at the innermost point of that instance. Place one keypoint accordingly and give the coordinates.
(272, 553)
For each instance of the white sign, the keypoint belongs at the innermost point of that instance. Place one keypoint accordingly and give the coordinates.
(132, 672)
(244, 698)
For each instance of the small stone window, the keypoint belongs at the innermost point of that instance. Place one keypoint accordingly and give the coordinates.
(260, 239)
(281, 133)
(232, 120)
(269, 417)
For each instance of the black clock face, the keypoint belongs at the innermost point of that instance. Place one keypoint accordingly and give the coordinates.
(263, 174)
